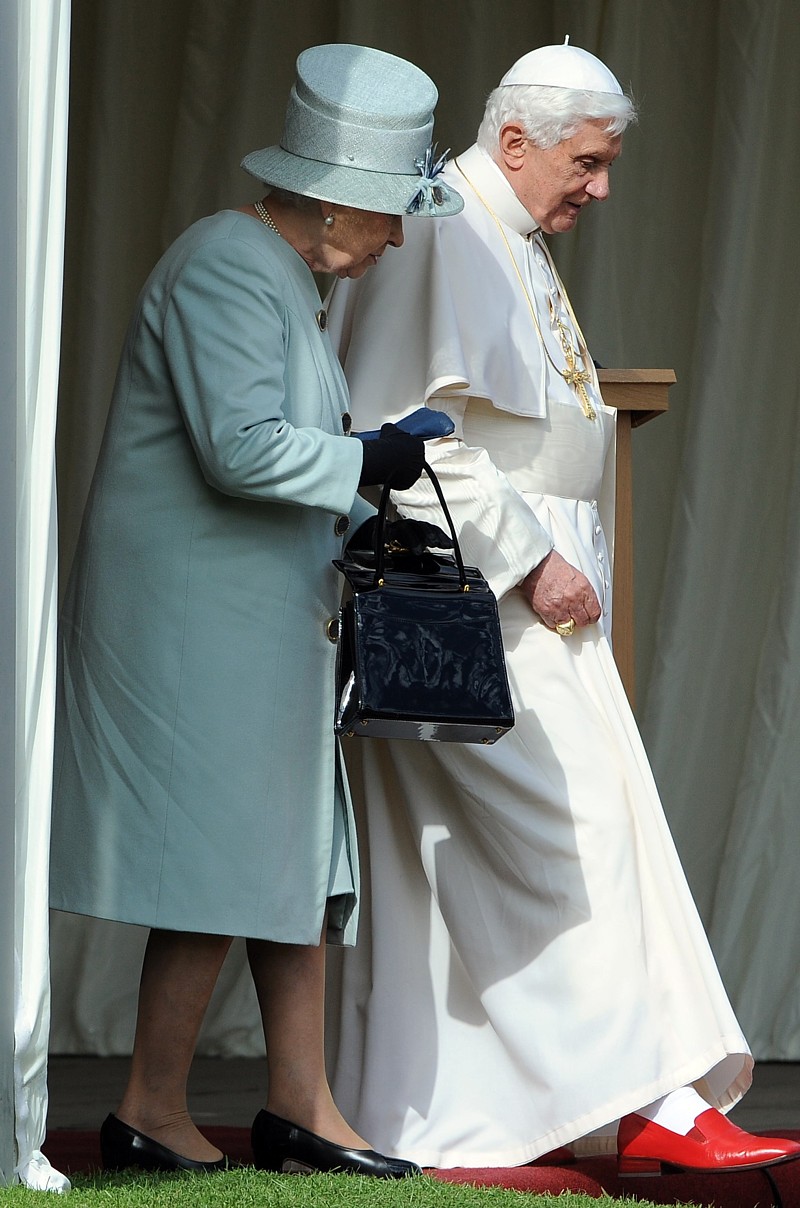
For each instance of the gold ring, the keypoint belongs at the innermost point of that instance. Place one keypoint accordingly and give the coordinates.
(566, 628)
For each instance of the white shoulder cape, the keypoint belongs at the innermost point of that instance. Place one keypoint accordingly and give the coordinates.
(444, 314)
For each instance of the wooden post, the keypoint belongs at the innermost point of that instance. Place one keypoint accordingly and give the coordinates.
(638, 395)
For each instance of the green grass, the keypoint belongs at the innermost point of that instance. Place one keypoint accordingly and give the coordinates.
(254, 1189)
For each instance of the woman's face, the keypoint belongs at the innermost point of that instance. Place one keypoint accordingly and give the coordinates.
(356, 239)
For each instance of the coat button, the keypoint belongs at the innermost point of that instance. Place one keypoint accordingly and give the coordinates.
(347, 422)
(340, 525)
(322, 319)
(332, 629)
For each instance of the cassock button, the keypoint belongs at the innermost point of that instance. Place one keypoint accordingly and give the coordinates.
(340, 525)
(322, 319)
(347, 423)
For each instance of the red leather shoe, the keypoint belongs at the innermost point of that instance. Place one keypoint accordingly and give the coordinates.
(713, 1144)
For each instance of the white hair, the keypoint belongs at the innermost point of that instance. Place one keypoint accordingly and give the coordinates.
(550, 115)
(298, 201)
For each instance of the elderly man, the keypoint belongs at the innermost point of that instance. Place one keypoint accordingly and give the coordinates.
(534, 968)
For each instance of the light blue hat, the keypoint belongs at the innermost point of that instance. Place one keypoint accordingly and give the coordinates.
(358, 133)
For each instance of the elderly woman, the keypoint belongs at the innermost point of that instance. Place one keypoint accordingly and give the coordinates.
(197, 784)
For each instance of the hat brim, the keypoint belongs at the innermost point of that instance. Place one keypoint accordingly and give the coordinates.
(381, 192)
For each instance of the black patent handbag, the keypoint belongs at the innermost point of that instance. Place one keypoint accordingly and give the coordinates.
(420, 653)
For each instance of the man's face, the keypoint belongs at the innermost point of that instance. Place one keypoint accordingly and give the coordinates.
(556, 184)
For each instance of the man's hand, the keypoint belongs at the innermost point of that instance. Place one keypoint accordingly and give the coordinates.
(558, 592)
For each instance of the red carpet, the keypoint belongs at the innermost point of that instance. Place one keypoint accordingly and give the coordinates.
(72, 1151)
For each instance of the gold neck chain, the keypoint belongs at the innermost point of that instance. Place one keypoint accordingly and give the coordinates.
(572, 375)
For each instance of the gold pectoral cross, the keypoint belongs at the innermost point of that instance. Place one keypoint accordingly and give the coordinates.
(572, 375)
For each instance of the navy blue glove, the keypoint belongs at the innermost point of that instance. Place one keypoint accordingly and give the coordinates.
(424, 422)
(395, 457)
(400, 536)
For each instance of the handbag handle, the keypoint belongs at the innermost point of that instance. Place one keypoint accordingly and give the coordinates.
(380, 526)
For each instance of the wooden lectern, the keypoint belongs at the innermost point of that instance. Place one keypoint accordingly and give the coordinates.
(638, 395)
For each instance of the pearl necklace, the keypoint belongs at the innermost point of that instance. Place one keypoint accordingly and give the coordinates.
(265, 216)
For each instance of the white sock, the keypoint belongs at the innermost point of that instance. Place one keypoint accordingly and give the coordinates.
(676, 1111)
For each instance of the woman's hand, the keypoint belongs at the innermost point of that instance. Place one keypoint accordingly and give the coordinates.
(413, 536)
(395, 456)
(561, 593)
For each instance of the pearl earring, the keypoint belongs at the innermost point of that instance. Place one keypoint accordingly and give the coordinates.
(329, 220)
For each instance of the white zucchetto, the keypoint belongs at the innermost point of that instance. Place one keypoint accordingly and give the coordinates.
(562, 67)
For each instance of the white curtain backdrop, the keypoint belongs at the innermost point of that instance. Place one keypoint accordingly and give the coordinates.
(42, 29)
(692, 264)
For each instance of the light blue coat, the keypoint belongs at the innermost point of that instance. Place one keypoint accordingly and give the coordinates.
(196, 780)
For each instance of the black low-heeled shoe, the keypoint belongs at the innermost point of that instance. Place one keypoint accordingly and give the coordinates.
(122, 1146)
(280, 1145)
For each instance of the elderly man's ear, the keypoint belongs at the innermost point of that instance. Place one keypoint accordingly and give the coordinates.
(513, 145)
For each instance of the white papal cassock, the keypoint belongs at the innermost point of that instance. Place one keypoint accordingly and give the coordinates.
(530, 964)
